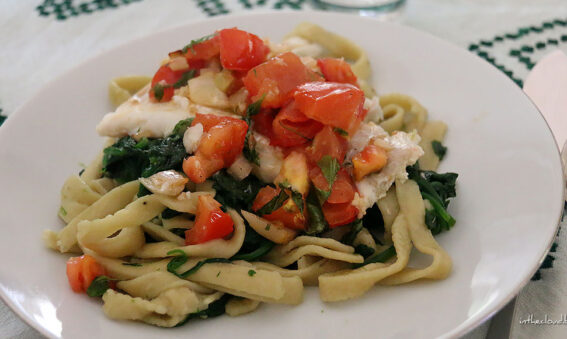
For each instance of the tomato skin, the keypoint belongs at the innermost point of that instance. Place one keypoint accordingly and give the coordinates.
(343, 188)
(337, 70)
(328, 142)
(204, 50)
(371, 159)
(221, 143)
(339, 214)
(293, 128)
(294, 220)
(210, 223)
(81, 271)
(240, 50)
(331, 103)
(165, 76)
(277, 78)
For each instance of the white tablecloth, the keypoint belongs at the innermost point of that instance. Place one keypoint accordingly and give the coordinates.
(42, 39)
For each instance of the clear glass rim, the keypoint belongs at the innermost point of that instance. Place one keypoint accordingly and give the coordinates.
(384, 7)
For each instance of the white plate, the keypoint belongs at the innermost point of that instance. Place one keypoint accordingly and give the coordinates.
(508, 206)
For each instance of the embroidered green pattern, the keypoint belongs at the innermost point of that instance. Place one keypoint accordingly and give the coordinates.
(64, 9)
(212, 7)
(480, 48)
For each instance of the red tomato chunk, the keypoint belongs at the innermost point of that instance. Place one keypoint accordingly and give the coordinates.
(337, 70)
(277, 78)
(81, 271)
(291, 219)
(240, 50)
(210, 223)
(334, 104)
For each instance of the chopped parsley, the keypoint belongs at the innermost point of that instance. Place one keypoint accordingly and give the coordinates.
(195, 42)
(340, 131)
(98, 286)
(62, 211)
(251, 273)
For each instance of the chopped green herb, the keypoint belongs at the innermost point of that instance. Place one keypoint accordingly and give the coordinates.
(249, 151)
(159, 91)
(272, 205)
(218, 274)
(184, 79)
(296, 197)
(181, 259)
(181, 127)
(62, 211)
(268, 227)
(439, 149)
(340, 131)
(251, 273)
(317, 222)
(294, 131)
(135, 264)
(193, 43)
(330, 167)
(98, 286)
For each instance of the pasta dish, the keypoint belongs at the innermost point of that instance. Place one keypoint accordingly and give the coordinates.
(244, 170)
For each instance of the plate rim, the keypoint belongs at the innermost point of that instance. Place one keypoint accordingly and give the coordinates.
(465, 326)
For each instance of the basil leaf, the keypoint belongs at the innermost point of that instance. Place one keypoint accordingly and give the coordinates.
(200, 264)
(249, 152)
(330, 167)
(296, 197)
(273, 204)
(317, 222)
(184, 79)
(439, 149)
(193, 43)
(99, 285)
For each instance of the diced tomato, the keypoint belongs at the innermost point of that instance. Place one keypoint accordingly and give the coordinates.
(292, 219)
(263, 123)
(339, 214)
(204, 50)
(221, 143)
(165, 76)
(371, 159)
(277, 78)
(240, 50)
(343, 188)
(293, 128)
(337, 70)
(210, 222)
(331, 103)
(81, 271)
(328, 142)
(210, 120)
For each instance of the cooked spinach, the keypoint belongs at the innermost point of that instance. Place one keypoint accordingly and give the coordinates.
(254, 246)
(363, 250)
(378, 257)
(128, 159)
(437, 188)
(215, 309)
(439, 149)
(373, 221)
(355, 228)
(238, 195)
